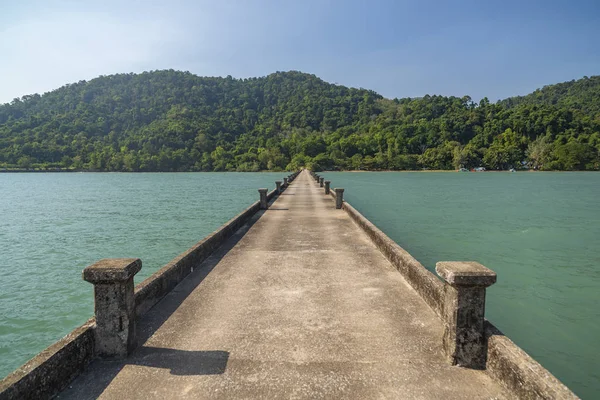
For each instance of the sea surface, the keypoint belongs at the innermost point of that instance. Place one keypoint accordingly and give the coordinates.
(52, 225)
(539, 231)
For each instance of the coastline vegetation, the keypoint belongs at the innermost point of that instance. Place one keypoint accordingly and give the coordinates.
(177, 121)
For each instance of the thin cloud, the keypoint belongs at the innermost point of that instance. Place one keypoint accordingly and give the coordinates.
(45, 53)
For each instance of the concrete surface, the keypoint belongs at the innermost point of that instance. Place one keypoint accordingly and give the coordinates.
(114, 305)
(297, 304)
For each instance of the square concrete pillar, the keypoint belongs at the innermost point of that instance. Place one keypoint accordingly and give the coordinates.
(464, 311)
(339, 197)
(327, 183)
(278, 186)
(285, 182)
(321, 181)
(263, 199)
(114, 305)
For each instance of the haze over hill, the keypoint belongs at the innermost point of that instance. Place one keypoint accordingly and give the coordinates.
(177, 121)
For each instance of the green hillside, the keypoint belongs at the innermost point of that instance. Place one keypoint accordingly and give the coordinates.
(582, 94)
(177, 121)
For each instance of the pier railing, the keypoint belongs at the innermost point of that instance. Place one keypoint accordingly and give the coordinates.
(118, 305)
(458, 298)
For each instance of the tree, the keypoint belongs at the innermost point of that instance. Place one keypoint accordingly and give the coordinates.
(572, 156)
(25, 162)
(504, 152)
(539, 152)
(220, 159)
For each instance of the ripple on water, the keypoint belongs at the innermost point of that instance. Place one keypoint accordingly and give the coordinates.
(53, 225)
(541, 240)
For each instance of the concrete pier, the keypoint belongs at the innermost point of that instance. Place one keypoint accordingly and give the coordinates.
(298, 303)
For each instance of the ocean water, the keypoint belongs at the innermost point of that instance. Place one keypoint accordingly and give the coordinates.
(52, 225)
(540, 232)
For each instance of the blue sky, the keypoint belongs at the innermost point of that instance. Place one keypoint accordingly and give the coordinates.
(397, 48)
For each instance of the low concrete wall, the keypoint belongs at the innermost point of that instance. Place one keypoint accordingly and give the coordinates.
(155, 287)
(159, 284)
(506, 363)
(424, 282)
(51, 370)
(514, 369)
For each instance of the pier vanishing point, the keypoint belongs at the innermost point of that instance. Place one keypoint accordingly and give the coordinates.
(298, 297)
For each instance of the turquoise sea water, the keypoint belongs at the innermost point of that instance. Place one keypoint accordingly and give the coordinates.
(540, 232)
(52, 225)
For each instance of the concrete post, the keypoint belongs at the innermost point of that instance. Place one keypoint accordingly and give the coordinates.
(278, 186)
(464, 310)
(263, 199)
(285, 182)
(339, 198)
(327, 183)
(114, 305)
(321, 181)
(317, 178)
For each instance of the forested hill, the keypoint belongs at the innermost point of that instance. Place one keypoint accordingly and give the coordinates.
(177, 121)
(582, 94)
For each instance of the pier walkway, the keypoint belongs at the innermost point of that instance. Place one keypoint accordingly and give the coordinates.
(299, 303)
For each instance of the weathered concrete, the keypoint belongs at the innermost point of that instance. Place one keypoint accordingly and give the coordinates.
(278, 186)
(285, 182)
(310, 312)
(429, 287)
(321, 179)
(515, 370)
(327, 183)
(339, 197)
(54, 368)
(507, 364)
(155, 287)
(263, 199)
(114, 305)
(464, 311)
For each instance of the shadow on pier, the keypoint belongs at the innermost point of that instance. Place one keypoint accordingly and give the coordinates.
(179, 362)
(101, 373)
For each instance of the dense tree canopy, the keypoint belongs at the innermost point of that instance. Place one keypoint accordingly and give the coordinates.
(177, 121)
